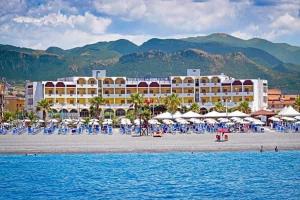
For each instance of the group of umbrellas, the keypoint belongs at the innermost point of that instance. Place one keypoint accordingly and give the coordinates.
(288, 114)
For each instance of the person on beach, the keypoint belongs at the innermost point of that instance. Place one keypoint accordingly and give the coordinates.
(261, 148)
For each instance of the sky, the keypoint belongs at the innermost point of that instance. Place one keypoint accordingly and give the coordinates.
(71, 23)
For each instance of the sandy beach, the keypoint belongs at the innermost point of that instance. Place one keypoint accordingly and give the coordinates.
(126, 143)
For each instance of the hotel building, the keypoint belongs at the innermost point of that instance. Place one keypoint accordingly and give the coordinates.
(71, 95)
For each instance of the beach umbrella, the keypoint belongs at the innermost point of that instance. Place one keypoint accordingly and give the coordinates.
(297, 117)
(238, 114)
(297, 122)
(6, 124)
(27, 120)
(191, 114)
(165, 115)
(235, 118)
(290, 119)
(177, 114)
(223, 120)
(215, 114)
(229, 123)
(250, 119)
(274, 119)
(167, 121)
(54, 120)
(138, 121)
(181, 121)
(153, 121)
(196, 121)
(96, 123)
(289, 112)
(258, 122)
(41, 121)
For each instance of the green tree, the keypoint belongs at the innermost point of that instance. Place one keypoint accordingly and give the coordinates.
(8, 116)
(137, 101)
(44, 105)
(195, 108)
(297, 103)
(172, 103)
(32, 117)
(96, 102)
(244, 107)
(218, 106)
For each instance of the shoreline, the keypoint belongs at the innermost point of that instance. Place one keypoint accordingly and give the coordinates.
(116, 143)
(34, 153)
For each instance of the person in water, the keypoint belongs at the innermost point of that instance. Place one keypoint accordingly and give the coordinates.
(261, 148)
(276, 149)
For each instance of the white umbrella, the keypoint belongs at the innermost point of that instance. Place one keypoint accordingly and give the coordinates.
(191, 114)
(95, 123)
(215, 114)
(290, 119)
(6, 124)
(288, 112)
(258, 122)
(167, 121)
(54, 120)
(138, 121)
(297, 117)
(181, 121)
(223, 120)
(250, 119)
(236, 118)
(41, 121)
(68, 120)
(165, 115)
(27, 120)
(238, 114)
(229, 123)
(95, 120)
(196, 121)
(297, 122)
(274, 119)
(153, 121)
(177, 114)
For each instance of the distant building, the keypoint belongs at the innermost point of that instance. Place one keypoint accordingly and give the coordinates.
(70, 96)
(14, 103)
(277, 100)
(2, 92)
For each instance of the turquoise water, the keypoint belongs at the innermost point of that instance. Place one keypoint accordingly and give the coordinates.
(228, 175)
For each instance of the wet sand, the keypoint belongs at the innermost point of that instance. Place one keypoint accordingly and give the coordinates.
(117, 143)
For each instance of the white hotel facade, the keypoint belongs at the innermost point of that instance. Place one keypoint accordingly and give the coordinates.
(71, 95)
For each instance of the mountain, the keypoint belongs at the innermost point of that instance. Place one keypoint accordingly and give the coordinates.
(284, 52)
(213, 54)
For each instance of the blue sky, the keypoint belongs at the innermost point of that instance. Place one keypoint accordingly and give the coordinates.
(70, 23)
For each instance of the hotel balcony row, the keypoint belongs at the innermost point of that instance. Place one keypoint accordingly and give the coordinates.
(70, 95)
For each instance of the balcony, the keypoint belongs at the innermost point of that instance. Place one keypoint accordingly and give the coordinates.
(46, 95)
(177, 85)
(109, 85)
(87, 85)
(209, 84)
(188, 85)
(119, 85)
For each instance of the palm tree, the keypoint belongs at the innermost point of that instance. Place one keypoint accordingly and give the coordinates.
(219, 107)
(44, 105)
(96, 102)
(172, 103)
(297, 103)
(195, 108)
(137, 101)
(32, 117)
(244, 107)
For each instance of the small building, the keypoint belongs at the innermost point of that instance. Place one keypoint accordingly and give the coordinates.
(277, 100)
(14, 103)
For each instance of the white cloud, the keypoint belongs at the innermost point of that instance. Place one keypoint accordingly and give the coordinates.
(87, 22)
(185, 15)
(287, 22)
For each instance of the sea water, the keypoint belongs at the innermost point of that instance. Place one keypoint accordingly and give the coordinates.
(220, 175)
